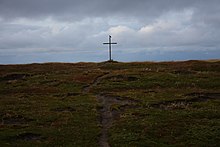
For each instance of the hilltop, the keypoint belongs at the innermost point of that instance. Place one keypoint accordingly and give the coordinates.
(110, 104)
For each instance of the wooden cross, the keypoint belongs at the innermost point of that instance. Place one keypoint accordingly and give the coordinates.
(110, 47)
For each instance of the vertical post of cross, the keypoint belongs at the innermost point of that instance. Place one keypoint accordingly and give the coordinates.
(110, 47)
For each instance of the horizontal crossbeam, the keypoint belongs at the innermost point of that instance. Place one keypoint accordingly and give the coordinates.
(110, 43)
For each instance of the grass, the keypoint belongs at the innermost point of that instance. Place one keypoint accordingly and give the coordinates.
(167, 104)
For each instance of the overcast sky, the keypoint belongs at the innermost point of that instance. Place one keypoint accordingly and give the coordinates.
(74, 30)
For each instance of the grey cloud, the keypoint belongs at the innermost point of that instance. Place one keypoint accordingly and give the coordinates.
(40, 27)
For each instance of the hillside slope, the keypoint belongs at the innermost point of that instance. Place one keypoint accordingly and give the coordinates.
(110, 104)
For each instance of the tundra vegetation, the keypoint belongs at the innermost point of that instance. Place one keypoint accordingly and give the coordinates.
(110, 103)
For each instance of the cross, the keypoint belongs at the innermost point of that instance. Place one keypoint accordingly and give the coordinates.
(110, 47)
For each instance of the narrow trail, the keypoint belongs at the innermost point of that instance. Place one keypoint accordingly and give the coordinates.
(105, 120)
(107, 113)
(95, 82)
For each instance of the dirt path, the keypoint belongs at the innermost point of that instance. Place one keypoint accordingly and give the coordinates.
(107, 113)
(95, 82)
(105, 120)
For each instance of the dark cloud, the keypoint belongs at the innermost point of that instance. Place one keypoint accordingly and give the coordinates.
(75, 10)
(96, 8)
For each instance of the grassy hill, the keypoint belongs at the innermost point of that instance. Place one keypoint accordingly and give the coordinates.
(116, 104)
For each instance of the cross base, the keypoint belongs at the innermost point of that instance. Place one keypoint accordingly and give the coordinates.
(112, 61)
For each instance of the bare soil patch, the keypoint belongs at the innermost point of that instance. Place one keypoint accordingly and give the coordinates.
(67, 94)
(15, 120)
(64, 109)
(27, 137)
(183, 72)
(203, 96)
(12, 77)
(119, 78)
(185, 103)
